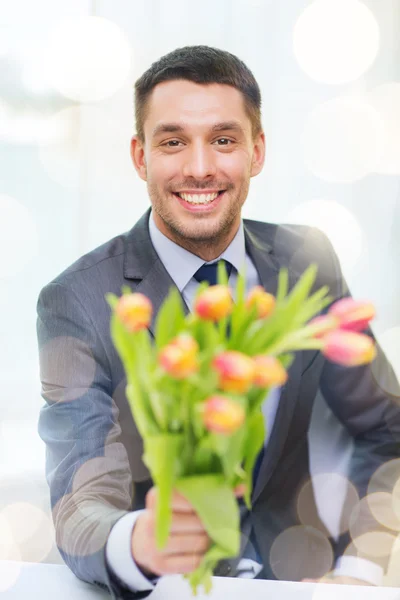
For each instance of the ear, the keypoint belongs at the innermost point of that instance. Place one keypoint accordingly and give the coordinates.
(138, 157)
(258, 155)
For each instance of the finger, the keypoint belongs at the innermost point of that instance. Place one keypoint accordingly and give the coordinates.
(177, 564)
(186, 523)
(187, 544)
(240, 490)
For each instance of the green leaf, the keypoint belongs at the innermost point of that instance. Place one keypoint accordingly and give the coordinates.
(230, 450)
(222, 273)
(162, 457)
(112, 300)
(170, 318)
(253, 444)
(283, 284)
(215, 503)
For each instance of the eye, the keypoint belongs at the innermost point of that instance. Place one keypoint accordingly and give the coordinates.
(171, 142)
(226, 140)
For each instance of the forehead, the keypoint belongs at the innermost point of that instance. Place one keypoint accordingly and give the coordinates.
(195, 105)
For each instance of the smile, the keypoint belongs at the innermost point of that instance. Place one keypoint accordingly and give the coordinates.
(199, 202)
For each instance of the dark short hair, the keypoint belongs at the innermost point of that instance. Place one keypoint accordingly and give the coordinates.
(200, 64)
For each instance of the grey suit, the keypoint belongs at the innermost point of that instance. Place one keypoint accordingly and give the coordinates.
(94, 452)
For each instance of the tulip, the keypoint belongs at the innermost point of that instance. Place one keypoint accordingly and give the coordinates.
(222, 414)
(236, 371)
(214, 303)
(322, 325)
(353, 315)
(348, 348)
(269, 371)
(134, 310)
(262, 300)
(179, 357)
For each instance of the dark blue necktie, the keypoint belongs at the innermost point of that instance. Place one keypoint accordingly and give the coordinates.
(209, 272)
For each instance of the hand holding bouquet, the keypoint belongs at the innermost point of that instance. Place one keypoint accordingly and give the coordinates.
(196, 391)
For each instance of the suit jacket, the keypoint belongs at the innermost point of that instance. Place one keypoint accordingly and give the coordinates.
(94, 452)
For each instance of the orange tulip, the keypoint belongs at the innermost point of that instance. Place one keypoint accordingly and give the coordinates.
(134, 310)
(222, 414)
(348, 348)
(322, 325)
(214, 303)
(236, 371)
(353, 315)
(269, 371)
(179, 357)
(262, 300)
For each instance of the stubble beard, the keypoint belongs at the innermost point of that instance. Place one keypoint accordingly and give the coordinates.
(202, 233)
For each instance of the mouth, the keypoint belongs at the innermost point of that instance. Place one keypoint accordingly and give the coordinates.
(199, 202)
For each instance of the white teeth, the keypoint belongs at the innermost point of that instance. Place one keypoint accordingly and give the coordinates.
(198, 198)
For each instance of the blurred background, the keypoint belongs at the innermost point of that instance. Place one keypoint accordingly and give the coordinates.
(329, 72)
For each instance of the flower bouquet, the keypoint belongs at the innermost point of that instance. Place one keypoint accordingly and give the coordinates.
(196, 390)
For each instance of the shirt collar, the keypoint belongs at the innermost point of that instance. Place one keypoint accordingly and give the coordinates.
(182, 264)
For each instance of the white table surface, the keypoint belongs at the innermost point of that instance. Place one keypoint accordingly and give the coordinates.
(49, 582)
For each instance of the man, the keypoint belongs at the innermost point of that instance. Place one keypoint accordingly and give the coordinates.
(199, 141)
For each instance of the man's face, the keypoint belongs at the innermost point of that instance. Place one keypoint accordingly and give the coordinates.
(186, 162)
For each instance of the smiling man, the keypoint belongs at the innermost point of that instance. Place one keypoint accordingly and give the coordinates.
(198, 143)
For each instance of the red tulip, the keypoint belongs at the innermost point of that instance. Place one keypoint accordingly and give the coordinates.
(353, 315)
(214, 303)
(222, 414)
(179, 357)
(269, 371)
(134, 310)
(348, 348)
(236, 371)
(262, 300)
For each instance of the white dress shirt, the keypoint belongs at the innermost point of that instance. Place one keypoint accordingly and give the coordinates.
(182, 265)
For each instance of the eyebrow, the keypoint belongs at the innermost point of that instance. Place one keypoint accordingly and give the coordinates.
(177, 128)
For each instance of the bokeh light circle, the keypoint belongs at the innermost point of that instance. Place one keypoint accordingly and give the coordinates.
(9, 551)
(385, 99)
(336, 41)
(299, 552)
(31, 530)
(16, 223)
(343, 140)
(65, 380)
(338, 223)
(382, 507)
(326, 484)
(90, 59)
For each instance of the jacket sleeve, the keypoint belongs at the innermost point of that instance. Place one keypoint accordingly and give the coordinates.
(87, 466)
(366, 399)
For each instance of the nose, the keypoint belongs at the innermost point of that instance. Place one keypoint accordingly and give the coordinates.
(199, 161)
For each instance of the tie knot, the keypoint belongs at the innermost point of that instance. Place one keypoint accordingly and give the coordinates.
(209, 272)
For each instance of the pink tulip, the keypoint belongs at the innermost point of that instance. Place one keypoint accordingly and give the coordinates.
(353, 315)
(222, 414)
(322, 325)
(134, 310)
(180, 357)
(262, 300)
(348, 348)
(214, 303)
(236, 371)
(269, 371)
